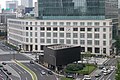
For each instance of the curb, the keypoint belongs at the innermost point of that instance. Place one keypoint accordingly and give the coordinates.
(33, 75)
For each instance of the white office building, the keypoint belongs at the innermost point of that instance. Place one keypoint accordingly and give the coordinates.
(94, 36)
(27, 3)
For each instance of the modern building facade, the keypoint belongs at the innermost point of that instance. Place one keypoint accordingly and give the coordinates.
(27, 3)
(77, 9)
(92, 35)
(12, 4)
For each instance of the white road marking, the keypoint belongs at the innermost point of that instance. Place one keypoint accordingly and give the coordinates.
(18, 68)
(101, 77)
(109, 75)
(46, 74)
(41, 74)
(26, 78)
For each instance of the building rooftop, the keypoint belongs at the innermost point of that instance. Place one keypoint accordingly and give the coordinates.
(59, 46)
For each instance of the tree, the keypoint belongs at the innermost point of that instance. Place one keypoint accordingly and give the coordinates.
(117, 45)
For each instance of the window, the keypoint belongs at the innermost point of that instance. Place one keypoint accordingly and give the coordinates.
(82, 23)
(97, 50)
(54, 23)
(110, 23)
(61, 41)
(41, 23)
(89, 23)
(54, 34)
(48, 23)
(82, 49)
(27, 34)
(26, 23)
(61, 34)
(75, 41)
(68, 35)
(89, 35)
(104, 36)
(30, 23)
(35, 34)
(36, 47)
(75, 23)
(89, 42)
(36, 40)
(48, 40)
(61, 23)
(42, 47)
(27, 28)
(104, 43)
(97, 36)
(82, 42)
(42, 34)
(54, 40)
(75, 35)
(31, 28)
(97, 42)
(82, 29)
(55, 29)
(31, 34)
(68, 41)
(48, 34)
(89, 29)
(35, 28)
(48, 28)
(61, 29)
(27, 40)
(42, 28)
(104, 50)
(97, 29)
(68, 23)
(42, 40)
(82, 35)
(104, 29)
(75, 29)
(96, 23)
(35, 23)
(89, 49)
(110, 29)
(31, 40)
(104, 23)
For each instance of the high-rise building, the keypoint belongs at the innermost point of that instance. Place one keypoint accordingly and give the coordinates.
(12, 4)
(77, 9)
(27, 3)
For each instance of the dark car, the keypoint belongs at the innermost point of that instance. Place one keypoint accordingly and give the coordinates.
(4, 69)
(9, 73)
(101, 67)
(50, 72)
(3, 63)
(97, 75)
(32, 62)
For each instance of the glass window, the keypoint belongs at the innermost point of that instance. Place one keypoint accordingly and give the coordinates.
(97, 50)
(27, 40)
(68, 41)
(89, 42)
(42, 34)
(104, 50)
(75, 41)
(35, 23)
(89, 49)
(68, 35)
(54, 40)
(48, 23)
(48, 34)
(35, 28)
(61, 23)
(110, 23)
(104, 36)
(89, 35)
(75, 29)
(48, 28)
(27, 28)
(61, 41)
(75, 23)
(31, 40)
(97, 42)
(68, 23)
(26, 23)
(104, 23)
(61, 29)
(42, 28)
(31, 34)
(89, 23)
(31, 28)
(97, 36)
(104, 29)
(27, 34)
(61, 34)
(82, 29)
(82, 42)
(82, 23)
(89, 29)
(36, 47)
(41, 23)
(82, 49)
(104, 43)
(54, 34)
(36, 40)
(82, 35)
(35, 34)
(42, 40)
(55, 29)
(54, 23)
(48, 40)
(30, 23)
(96, 23)
(75, 35)
(97, 29)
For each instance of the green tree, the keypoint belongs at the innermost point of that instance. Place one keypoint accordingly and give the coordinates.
(117, 44)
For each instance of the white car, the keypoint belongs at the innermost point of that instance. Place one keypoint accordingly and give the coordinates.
(43, 72)
(87, 77)
(105, 72)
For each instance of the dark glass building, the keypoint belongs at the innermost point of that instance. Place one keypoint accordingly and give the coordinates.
(72, 9)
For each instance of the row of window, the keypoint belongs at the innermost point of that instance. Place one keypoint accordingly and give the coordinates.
(62, 23)
(68, 35)
(63, 29)
(68, 41)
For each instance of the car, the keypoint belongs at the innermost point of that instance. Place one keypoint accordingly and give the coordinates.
(3, 63)
(97, 75)
(50, 72)
(9, 73)
(87, 77)
(31, 61)
(104, 69)
(43, 72)
(105, 72)
(109, 71)
(4, 69)
(101, 67)
(69, 76)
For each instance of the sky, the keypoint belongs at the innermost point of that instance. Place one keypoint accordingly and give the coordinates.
(3, 4)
